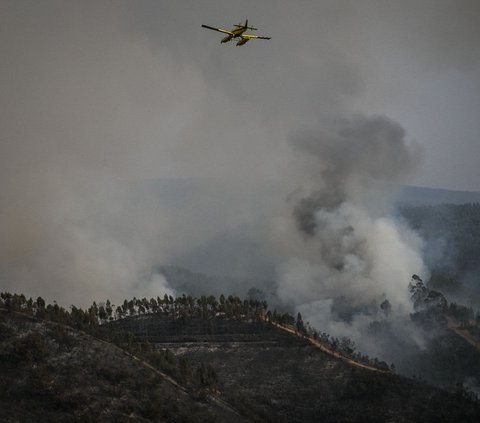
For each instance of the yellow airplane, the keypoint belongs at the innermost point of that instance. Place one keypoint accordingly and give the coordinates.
(238, 32)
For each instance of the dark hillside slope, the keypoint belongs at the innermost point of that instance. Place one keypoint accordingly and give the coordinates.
(50, 372)
(270, 375)
(452, 233)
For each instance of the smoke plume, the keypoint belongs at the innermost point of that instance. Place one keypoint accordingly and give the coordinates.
(353, 255)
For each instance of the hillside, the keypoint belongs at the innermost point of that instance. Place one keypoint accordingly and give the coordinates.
(51, 372)
(269, 374)
(423, 196)
(198, 360)
(456, 226)
(452, 248)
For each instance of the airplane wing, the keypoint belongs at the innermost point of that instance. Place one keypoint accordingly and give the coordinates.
(251, 37)
(218, 29)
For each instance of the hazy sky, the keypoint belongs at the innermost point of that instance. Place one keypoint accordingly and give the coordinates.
(93, 93)
(139, 88)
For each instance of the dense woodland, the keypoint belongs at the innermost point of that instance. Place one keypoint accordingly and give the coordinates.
(87, 380)
(184, 312)
(452, 235)
(95, 319)
(51, 372)
(453, 230)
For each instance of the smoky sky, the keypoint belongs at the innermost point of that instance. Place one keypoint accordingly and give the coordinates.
(98, 95)
(348, 156)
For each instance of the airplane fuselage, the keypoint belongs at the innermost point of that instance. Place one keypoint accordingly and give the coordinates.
(237, 32)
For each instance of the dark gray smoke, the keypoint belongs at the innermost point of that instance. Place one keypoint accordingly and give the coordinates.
(347, 158)
(353, 252)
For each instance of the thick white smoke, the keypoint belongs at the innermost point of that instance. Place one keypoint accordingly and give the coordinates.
(358, 256)
(92, 109)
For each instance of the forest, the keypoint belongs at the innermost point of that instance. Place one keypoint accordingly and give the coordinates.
(453, 231)
(180, 311)
(76, 361)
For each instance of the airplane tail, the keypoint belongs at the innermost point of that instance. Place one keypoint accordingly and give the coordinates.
(249, 27)
(245, 25)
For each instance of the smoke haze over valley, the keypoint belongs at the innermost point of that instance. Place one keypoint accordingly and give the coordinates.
(130, 139)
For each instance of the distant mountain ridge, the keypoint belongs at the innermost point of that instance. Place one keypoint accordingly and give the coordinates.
(174, 190)
(423, 196)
